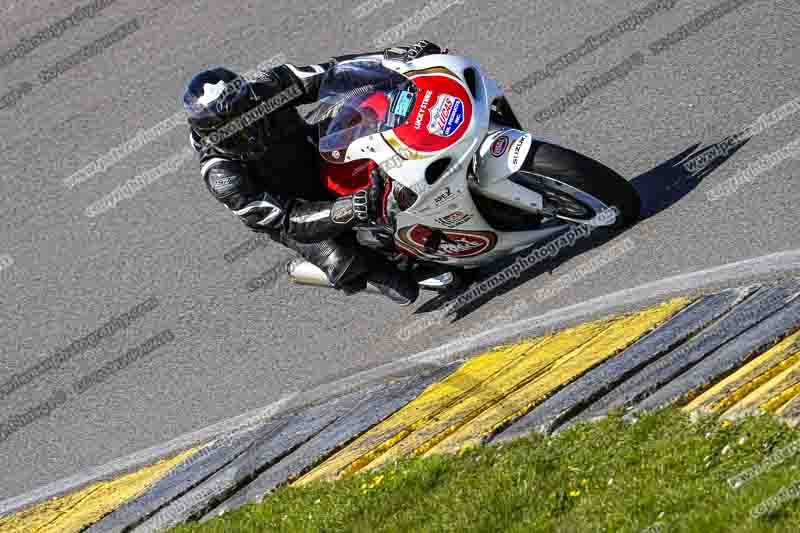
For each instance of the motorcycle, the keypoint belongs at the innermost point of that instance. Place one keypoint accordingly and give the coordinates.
(468, 184)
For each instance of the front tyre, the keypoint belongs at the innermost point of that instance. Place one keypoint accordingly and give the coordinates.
(555, 172)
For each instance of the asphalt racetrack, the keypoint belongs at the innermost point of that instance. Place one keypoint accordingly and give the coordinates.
(197, 338)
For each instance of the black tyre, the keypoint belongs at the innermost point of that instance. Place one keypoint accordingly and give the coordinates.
(587, 175)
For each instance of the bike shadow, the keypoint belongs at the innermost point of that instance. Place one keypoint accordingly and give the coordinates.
(659, 188)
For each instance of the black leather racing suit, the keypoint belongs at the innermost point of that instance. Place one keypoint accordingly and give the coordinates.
(281, 192)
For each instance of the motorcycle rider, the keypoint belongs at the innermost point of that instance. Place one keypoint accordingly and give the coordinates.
(259, 158)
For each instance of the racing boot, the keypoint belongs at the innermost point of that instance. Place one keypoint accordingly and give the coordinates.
(334, 264)
(397, 285)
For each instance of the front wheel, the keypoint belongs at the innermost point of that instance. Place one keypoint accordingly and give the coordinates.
(577, 188)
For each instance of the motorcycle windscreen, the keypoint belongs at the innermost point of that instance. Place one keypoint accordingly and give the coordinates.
(347, 178)
(361, 98)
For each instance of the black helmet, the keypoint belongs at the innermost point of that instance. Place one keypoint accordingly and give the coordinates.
(215, 98)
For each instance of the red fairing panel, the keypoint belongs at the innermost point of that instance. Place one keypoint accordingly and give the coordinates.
(441, 115)
(346, 178)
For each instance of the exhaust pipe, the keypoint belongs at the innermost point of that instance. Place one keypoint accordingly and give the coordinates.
(302, 272)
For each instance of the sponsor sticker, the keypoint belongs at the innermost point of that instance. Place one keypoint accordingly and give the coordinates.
(442, 197)
(454, 244)
(518, 151)
(341, 213)
(447, 114)
(440, 115)
(423, 106)
(464, 246)
(499, 146)
(454, 219)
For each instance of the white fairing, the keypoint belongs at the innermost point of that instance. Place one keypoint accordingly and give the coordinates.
(502, 154)
(447, 204)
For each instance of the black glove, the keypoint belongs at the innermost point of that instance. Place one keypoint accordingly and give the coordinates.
(366, 206)
(415, 51)
(369, 203)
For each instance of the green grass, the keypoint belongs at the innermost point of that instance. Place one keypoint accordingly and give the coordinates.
(664, 473)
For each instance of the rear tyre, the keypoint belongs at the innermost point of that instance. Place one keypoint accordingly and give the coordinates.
(588, 175)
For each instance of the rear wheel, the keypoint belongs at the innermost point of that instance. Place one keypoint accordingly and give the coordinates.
(576, 187)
